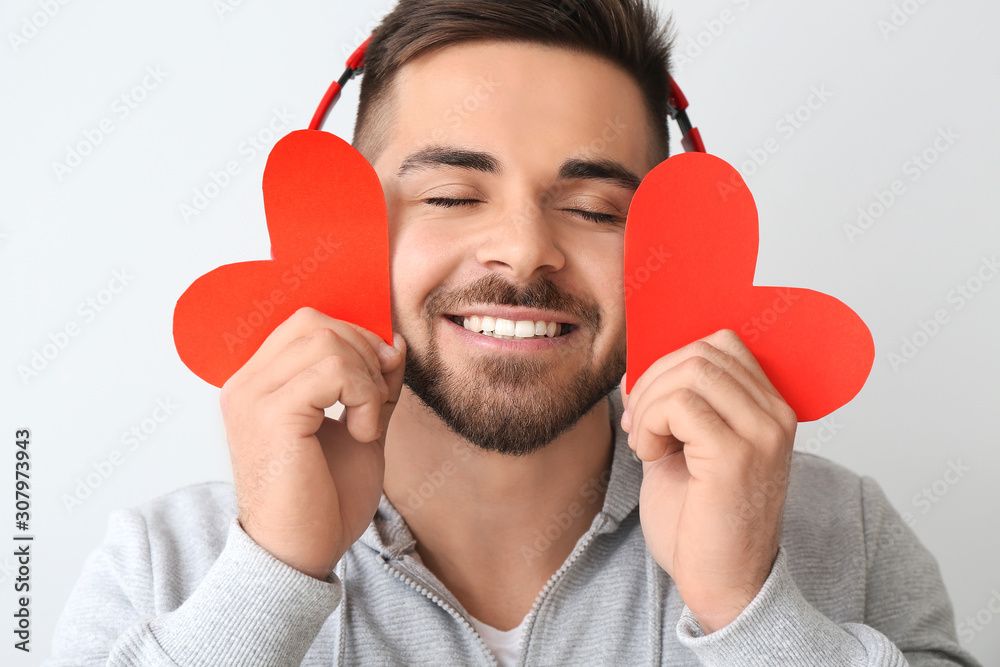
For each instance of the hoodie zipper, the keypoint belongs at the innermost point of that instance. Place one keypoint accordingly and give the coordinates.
(522, 648)
(430, 593)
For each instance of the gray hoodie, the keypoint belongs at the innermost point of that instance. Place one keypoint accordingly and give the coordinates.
(178, 582)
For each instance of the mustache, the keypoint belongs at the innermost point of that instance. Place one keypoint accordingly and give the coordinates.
(492, 289)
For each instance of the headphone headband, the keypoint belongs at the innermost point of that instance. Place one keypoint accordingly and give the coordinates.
(677, 104)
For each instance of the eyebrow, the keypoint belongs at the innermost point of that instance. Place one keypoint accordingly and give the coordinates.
(439, 157)
(601, 169)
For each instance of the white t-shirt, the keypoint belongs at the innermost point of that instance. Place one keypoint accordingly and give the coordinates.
(504, 644)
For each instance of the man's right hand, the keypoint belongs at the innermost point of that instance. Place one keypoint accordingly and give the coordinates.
(307, 486)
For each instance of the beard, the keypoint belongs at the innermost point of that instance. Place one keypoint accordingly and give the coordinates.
(510, 404)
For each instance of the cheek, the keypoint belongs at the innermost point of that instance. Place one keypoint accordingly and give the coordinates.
(604, 276)
(418, 265)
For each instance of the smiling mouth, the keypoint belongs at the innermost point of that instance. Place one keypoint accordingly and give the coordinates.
(496, 327)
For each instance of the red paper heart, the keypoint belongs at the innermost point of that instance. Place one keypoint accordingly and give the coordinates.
(329, 232)
(690, 255)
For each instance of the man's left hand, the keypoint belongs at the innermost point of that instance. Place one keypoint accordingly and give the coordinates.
(715, 438)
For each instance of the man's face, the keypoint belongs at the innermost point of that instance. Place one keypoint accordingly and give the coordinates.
(497, 149)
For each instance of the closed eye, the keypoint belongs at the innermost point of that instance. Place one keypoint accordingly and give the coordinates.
(443, 201)
(602, 218)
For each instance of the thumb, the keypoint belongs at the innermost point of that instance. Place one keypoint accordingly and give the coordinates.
(394, 361)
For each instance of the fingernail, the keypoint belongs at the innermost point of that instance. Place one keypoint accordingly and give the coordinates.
(635, 456)
(626, 420)
(387, 351)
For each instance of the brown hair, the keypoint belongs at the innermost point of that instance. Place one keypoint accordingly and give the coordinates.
(628, 33)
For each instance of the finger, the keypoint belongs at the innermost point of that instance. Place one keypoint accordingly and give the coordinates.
(728, 341)
(726, 396)
(394, 378)
(352, 334)
(297, 325)
(303, 322)
(364, 342)
(775, 405)
(305, 397)
(301, 353)
(386, 355)
(685, 416)
(722, 362)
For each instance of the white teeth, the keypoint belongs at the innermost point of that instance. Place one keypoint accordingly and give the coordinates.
(509, 329)
(524, 329)
(505, 327)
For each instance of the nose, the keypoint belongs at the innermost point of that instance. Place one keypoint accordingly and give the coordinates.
(521, 242)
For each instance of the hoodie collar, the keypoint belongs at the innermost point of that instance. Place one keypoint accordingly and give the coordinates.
(389, 534)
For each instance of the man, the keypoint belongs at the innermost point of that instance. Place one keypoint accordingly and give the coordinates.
(492, 444)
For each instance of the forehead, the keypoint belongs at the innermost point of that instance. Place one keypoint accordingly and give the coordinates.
(533, 104)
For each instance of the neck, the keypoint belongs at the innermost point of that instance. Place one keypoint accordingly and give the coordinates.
(484, 519)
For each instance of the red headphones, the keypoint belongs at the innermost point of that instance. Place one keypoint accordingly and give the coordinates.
(676, 105)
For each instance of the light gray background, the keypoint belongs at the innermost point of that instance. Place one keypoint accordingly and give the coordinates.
(228, 71)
